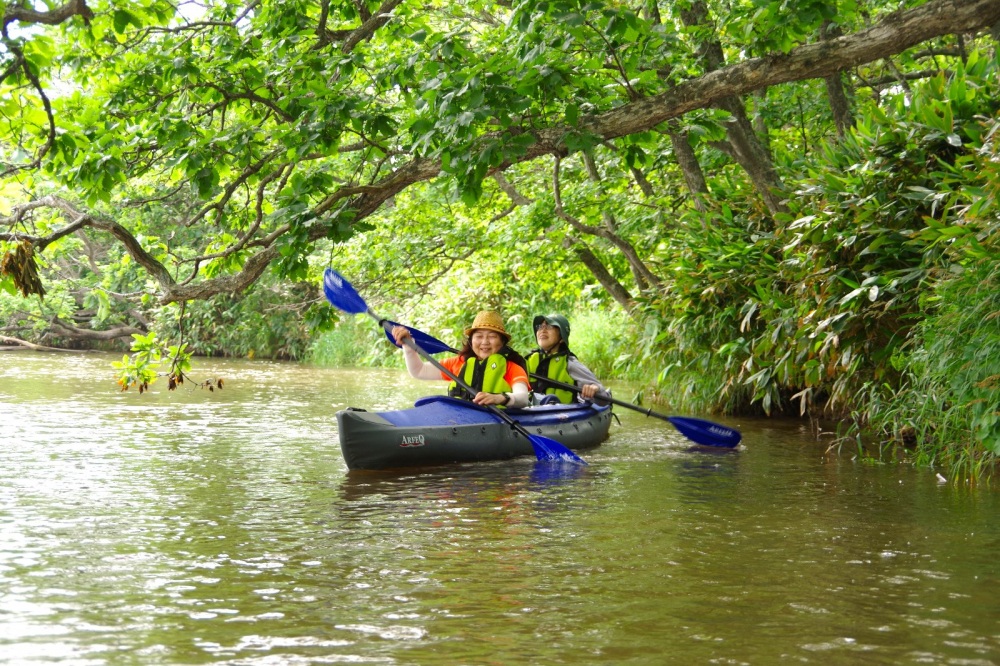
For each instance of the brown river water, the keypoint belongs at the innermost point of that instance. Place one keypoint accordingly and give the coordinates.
(197, 527)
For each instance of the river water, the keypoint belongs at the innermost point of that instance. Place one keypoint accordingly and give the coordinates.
(222, 527)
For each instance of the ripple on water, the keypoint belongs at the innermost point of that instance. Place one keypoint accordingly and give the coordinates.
(223, 527)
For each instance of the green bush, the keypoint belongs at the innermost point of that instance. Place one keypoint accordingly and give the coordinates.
(948, 407)
(607, 343)
(267, 321)
(803, 311)
(355, 341)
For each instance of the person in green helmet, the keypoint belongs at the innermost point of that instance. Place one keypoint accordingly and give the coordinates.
(554, 360)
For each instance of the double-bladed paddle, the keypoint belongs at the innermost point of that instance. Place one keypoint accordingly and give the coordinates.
(700, 431)
(343, 296)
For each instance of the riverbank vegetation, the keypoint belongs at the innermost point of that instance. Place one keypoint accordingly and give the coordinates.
(750, 210)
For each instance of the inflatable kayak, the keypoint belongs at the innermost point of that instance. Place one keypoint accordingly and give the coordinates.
(439, 429)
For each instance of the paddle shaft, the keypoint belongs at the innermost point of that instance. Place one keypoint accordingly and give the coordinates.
(409, 342)
(602, 395)
(700, 431)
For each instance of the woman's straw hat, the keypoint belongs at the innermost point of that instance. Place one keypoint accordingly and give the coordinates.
(490, 321)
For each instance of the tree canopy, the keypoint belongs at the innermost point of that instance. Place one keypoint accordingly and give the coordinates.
(213, 141)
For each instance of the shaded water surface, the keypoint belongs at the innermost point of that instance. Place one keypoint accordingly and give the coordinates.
(222, 527)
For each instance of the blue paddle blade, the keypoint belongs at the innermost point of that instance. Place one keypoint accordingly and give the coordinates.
(705, 432)
(341, 294)
(550, 449)
(428, 343)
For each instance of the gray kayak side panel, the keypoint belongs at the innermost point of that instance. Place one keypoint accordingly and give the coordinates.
(369, 441)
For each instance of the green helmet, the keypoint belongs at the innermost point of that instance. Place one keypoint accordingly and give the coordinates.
(556, 320)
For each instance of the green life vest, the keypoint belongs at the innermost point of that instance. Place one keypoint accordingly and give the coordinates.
(555, 367)
(485, 376)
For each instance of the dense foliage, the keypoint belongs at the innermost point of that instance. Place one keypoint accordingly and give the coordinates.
(774, 206)
(873, 292)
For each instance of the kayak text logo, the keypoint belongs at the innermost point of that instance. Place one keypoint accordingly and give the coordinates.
(412, 440)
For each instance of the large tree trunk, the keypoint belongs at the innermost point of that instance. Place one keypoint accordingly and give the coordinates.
(24, 344)
(643, 276)
(66, 330)
(759, 126)
(694, 177)
(596, 266)
(746, 147)
(840, 104)
(578, 247)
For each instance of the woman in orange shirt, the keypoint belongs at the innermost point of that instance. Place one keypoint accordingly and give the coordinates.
(485, 363)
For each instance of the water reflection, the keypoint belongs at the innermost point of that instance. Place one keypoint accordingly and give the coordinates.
(471, 484)
(224, 528)
(556, 472)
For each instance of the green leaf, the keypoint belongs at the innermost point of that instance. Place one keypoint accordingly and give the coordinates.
(123, 18)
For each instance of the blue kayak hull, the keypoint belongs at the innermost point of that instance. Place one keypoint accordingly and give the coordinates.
(439, 430)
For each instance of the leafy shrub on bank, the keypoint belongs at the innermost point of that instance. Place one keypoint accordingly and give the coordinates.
(801, 314)
(948, 407)
(267, 321)
(353, 342)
